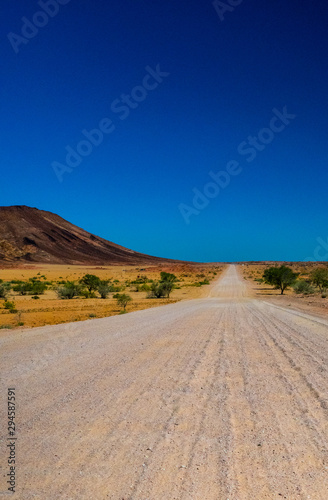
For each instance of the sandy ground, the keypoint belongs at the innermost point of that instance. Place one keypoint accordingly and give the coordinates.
(209, 399)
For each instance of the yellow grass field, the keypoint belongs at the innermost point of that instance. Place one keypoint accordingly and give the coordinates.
(50, 310)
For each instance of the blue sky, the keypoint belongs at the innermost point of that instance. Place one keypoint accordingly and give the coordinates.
(223, 79)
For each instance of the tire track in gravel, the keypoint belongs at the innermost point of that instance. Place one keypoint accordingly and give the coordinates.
(253, 461)
(180, 439)
(299, 363)
(299, 353)
(127, 398)
(171, 401)
(308, 447)
(302, 334)
(269, 396)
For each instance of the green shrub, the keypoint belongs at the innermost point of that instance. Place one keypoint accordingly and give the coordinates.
(319, 278)
(20, 323)
(31, 287)
(167, 283)
(302, 286)
(4, 290)
(5, 327)
(140, 280)
(104, 288)
(123, 300)
(157, 290)
(35, 297)
(92, 315)
(69, 290)
(87, 295)
(9, 305)
(113, 288)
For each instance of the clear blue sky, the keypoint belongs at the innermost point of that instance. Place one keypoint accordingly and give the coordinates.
(225, 78)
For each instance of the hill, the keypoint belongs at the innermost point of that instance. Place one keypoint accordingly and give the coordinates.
(31, 235)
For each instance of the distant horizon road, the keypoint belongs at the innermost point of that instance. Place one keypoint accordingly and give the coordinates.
(219, 398)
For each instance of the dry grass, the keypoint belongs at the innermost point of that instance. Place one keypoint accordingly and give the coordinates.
(255, 272)
(313, 303)
(49, 310)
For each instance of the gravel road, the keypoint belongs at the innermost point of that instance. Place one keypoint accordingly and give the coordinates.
(221, 398)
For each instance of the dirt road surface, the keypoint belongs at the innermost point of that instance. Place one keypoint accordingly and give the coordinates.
(222, 398)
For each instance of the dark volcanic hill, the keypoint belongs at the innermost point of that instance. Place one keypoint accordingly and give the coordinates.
(32, 235)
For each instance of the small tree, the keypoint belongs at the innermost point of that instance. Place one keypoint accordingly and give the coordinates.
(167, 287)
(168, 282)
(280, 277)
(123, 300)
(104, 289)
(91, 282)
(319, 278)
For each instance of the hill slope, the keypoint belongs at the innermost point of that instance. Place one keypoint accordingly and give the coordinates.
(32, 235)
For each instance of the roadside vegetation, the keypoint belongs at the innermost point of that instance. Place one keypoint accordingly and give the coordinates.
(72, 295)
(280, 277)
(301, 279)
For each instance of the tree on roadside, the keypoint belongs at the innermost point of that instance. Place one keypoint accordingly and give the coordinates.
(319, 278)
(91, 282)
(123, 300)
(167, 282)
(164, 287)
(280, 277)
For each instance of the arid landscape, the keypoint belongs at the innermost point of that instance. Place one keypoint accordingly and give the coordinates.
(218, 397)
(48, 309)
(43, 250)
(164, 250)
(149, 378)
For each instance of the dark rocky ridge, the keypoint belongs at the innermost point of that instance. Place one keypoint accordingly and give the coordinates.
(31, 235)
